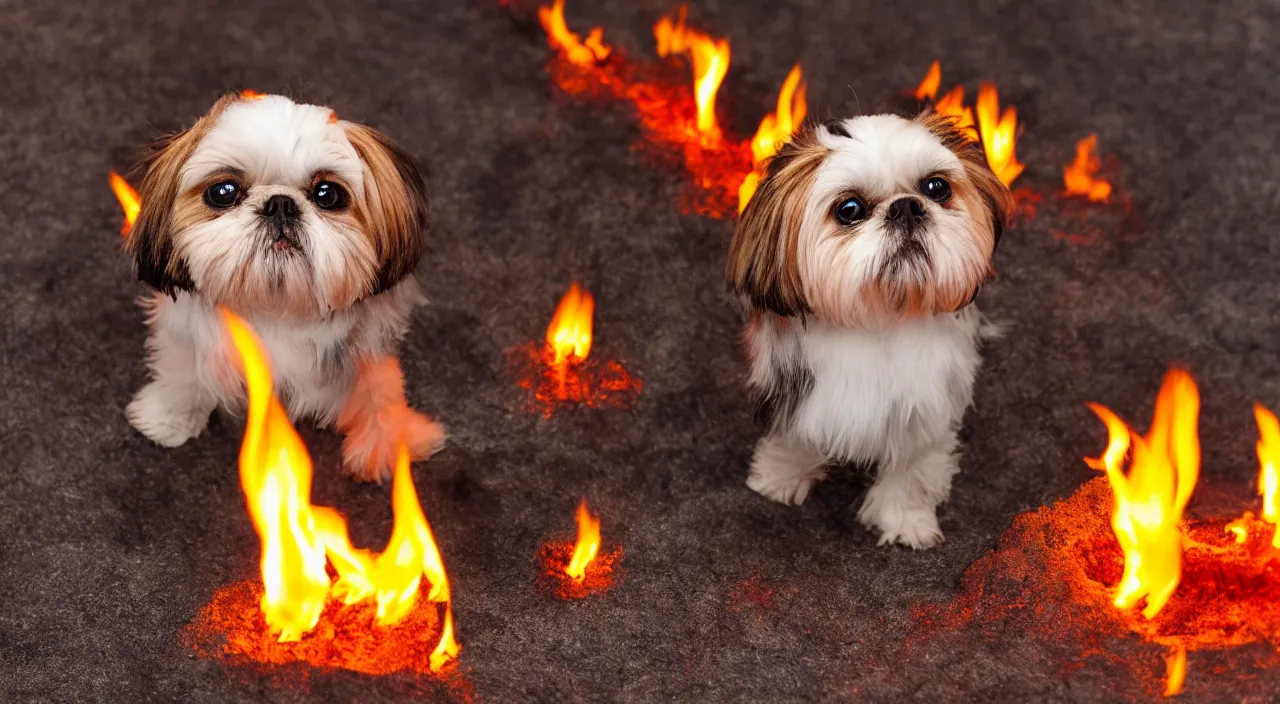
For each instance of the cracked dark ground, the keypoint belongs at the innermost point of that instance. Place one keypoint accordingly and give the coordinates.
(110, 545)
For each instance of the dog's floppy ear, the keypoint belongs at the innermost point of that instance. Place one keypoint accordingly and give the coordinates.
(995, 195)
(150, 240)
(396, 206)
(762, 256)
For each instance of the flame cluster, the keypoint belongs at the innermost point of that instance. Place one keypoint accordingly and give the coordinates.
(774, 131)
(299, 539)
(997, 130)
(1078, 176)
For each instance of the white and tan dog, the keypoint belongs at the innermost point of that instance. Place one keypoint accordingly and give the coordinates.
(310, 228)
(860, 256)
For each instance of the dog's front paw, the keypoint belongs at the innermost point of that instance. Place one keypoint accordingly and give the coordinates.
(784, 472)
(790, 489)
(166, 417)
(370, 447)
(887, 510)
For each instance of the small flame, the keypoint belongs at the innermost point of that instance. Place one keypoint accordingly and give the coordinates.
(774, 131)
(584, 551)
(1078, 175)
(298, 538)
(250, 94)
(999, 134)
(710, 59)
(578, 52)
(928, 89)
(569, 335)
(1149, 500)
(1176, 671)
(1240, 528)
(1269, 473)
(129, 201)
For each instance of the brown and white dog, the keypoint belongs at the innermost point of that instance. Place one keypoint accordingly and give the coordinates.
(860, 256)
(310, 228)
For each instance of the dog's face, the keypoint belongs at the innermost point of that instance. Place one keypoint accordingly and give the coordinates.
(273, 206)
(866, 221)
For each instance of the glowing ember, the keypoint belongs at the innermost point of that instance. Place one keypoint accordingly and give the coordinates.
(129, 201)
(298, 539)
(1176, 664)
(1079, 174)
(1149, 500)
(710, 59)
(249, 94)
(578, 52)
(774, 131)
(999, 133)
(1269, 472)
(928, 88)
(569, 334)
(584, 551)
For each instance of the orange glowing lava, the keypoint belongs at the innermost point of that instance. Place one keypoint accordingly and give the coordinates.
(774, 131)
(1269, 468)
(584, 551)
(578, 52)
(1149, 499)
(129, 201)
(1078, 176)
(710, 60)
(569, 334)
(299, 539)
(999, 133)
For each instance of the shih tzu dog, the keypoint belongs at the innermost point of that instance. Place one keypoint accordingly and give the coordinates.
(860, 257)
(310, 228)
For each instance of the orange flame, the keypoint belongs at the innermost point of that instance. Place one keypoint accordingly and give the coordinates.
(1078, 175)
(1269, 474)
(1176, 671)
(1240, 528)
(999, 134)
(1149, 500)
(581, 53)
(569, 334)
(928, 88)
(774, 131)
(584, 551)
(250, 94)
(129, 201)
(298, 538)
(710, 59)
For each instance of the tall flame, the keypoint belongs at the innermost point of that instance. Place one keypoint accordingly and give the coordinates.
(581, 53)
(1176, 671)
(129, 201)
(1078, 175)
(710, 59)
(1150, 498)
(298, 538)
(569, 335)
(999, 133)
(774, 131)
(928, 88)
(1269, 472)
(584, 551)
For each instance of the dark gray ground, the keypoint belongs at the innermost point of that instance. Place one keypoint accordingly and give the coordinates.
(110, 545)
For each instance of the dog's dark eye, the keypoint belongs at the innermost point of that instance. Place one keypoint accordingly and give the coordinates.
(329, 195)
(223, 194)
(936, 188)
(850, 210)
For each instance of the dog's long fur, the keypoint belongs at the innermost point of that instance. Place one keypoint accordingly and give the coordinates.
(863, 339)
(329, 290)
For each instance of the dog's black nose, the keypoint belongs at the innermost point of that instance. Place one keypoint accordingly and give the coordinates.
(908, 210)
(280, 206)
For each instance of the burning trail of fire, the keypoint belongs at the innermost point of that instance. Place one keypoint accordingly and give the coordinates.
(584, 551)
(569, 334)
(129, 201)
(1078, 176)
(578, 52)
(999, 134)
(774, 131)
(1150, 498)
(298, 539)
(710, 60)
(1269, 471)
